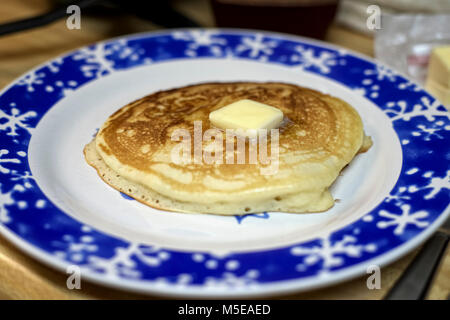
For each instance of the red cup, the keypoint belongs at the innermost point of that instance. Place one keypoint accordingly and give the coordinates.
(310, 18)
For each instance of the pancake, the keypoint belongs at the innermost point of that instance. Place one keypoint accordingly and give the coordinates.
(319, 136)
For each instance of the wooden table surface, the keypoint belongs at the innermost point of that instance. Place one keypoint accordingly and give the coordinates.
(22, 277)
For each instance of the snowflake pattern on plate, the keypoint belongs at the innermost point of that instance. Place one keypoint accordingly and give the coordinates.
(419, 198)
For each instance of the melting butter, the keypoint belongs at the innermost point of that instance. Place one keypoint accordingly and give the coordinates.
(247, 115)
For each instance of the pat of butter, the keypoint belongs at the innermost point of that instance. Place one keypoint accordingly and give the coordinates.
(247, 115)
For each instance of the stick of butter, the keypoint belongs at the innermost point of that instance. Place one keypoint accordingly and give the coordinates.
(247, 115)
(438, 78)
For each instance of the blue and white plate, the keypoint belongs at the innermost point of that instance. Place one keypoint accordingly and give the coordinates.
(54, 207)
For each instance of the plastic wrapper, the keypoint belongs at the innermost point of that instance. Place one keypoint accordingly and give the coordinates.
(404, 42)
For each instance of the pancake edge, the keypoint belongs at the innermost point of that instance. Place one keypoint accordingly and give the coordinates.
(160, 202)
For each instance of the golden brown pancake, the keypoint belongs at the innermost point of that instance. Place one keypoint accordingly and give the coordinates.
(319, 136)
